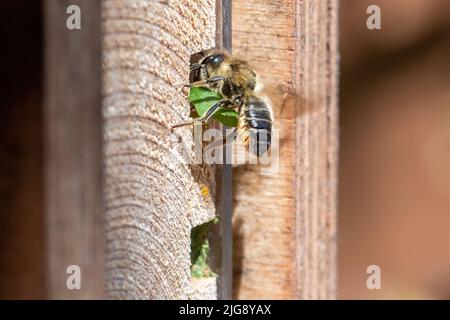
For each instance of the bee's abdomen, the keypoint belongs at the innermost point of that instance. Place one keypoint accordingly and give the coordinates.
(255, 117)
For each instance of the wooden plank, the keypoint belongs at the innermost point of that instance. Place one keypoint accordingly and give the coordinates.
(285, 224)
(153, 196)
(73, 150)
(221, 235)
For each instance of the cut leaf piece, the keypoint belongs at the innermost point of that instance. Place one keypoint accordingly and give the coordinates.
(203, 99)
(228, 117)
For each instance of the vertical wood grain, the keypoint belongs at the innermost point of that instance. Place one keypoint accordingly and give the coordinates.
(73, 150)
(316, 80)
(153, 196)
(285, 224)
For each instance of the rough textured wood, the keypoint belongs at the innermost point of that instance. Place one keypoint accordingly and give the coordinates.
(285, 224)
(73, 150)
(153, 196)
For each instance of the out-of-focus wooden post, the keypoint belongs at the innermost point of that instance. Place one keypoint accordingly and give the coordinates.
(285, 224)
(73, 164)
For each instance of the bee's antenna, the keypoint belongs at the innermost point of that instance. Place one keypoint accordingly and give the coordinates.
(182, 125)
(195, 66)
(199, 121)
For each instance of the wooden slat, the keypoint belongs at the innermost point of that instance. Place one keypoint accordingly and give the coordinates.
(285, 224)
(221, 235)
(153, 197)
(73, 150)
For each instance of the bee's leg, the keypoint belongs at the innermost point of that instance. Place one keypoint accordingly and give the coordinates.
(211, 111)
(205, 83)
(215, 108)
(185, 124)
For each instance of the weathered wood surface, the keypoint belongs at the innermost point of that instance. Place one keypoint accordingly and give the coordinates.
(73, 162)
(285, 224)
(153, 197)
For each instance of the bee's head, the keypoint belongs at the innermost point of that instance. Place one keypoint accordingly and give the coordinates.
(213, 62)
(207, 66)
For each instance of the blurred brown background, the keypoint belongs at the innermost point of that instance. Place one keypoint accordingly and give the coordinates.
(21, 151)
(394, 184)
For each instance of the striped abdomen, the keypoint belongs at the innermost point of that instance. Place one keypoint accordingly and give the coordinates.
(255, 125)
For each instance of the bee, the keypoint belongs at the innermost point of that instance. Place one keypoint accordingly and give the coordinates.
(237, 82)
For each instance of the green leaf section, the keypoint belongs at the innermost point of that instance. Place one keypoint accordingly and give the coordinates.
(200, 250)
(203, 99)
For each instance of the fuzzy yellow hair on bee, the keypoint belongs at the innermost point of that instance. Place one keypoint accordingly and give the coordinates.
(237, 82)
